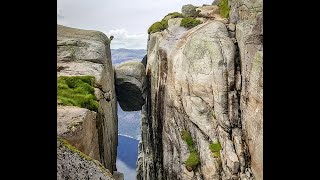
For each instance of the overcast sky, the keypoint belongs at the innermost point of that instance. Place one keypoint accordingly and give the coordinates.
(126, 20)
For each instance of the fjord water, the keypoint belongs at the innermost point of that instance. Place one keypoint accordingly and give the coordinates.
(128, 122)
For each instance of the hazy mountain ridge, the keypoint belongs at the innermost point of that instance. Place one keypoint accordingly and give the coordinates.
(122, 54)
(129, 123)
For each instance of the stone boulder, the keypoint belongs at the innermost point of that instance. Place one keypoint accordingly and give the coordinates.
(73, 164)
(189, 10)
(215, 2)
(130, 84)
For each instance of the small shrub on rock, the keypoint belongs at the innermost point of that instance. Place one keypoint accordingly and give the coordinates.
(189, 22)
(215, 149)
(193, 159)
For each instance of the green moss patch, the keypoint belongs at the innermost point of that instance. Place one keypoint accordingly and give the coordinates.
(189, 22)
(224, 8)
(174, 15)
(163, 24)
(215, 149)
(158, 26)
(77, 91)
(193, 159)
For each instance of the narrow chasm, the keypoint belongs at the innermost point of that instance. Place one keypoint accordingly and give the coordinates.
(130, 87)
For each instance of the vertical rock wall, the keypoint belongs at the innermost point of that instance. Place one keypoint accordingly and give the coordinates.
(208, 81)
(84, 52)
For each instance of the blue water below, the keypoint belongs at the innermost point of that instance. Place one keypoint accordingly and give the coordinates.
(127, 156)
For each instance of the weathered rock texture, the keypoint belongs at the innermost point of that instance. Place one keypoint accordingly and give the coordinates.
(189, 10)
(78, 125)
(84, 52)
(130, 84)
(72, 164)
(207, 82)
(248, 17)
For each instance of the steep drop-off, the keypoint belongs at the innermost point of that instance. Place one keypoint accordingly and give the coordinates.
(206, 81)
(93, 132)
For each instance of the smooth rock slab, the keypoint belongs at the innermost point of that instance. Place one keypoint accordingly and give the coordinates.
(130, 82)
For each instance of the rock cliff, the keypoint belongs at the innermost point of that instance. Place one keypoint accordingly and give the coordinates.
(84, 53)
(206, 81)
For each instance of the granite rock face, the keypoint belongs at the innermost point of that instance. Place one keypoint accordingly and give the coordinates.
(78, 126)
(130, 84)
(248, 17)
(86, 52)
(73, 164)
(208, 81)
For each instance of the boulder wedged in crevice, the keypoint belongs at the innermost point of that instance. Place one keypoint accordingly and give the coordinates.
(130, 79)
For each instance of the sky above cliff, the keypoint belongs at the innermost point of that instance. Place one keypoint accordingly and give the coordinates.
(127, 20)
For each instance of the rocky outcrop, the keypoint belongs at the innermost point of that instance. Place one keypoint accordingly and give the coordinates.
(85, 52)
(208, 11)
(130, 84)
(78, 126)
(208, 81)
(73, 164)
(189, 10)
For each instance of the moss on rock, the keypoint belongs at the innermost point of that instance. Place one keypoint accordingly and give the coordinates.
(215, 149)
(158, 26)
(224, 8)
(173, 15)
(77, 91)
(189, 22)
(193, 159)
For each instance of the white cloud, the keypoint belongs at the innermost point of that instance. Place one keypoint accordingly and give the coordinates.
(122, 39)
(128, 20)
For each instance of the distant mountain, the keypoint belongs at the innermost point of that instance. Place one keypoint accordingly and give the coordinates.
(129, 123)
(120, 55)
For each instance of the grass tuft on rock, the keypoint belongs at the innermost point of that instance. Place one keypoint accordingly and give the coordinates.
(174, 15)
(215, 149)
(224, 8)
(163, 24)
(193, 159)
(158, 26)
(77, 91)
(189, 22)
